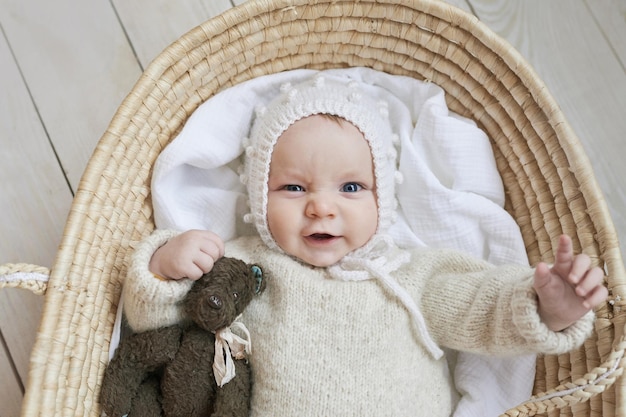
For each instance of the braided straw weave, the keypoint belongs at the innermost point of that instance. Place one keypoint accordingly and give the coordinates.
(549, 184)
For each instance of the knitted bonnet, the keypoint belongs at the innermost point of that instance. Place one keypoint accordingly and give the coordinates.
(345, 98)
(320, 95)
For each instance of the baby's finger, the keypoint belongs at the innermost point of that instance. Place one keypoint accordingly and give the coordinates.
(193, 272)
(203, 262)
(542, 276)
(590, 280)
(580, 268)
(596, 297)
(212, 249)
(212, 245)
(564, 255)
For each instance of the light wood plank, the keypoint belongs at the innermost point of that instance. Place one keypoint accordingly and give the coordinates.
(153, 24)
(20, 311)
(35, 195)
(10, 391)
(35, 201)
(611, 18)
(78, 65)
(563, 42)
(461, 4)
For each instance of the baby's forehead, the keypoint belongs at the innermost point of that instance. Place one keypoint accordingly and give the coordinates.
(322, 131)
(315, 121)
(321, 147)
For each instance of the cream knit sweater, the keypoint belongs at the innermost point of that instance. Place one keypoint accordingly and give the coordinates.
(322, 347)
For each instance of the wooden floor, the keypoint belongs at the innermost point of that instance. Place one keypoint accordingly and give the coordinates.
(65, 66)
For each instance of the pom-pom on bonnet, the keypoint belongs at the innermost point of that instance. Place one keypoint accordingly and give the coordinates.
(320, 95)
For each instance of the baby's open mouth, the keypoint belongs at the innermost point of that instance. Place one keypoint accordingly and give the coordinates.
(321, 236)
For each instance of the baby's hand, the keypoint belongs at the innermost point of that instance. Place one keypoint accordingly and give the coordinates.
(569, 289)
(188, 255)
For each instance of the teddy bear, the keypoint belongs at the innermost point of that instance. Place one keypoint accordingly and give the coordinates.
(182, 370)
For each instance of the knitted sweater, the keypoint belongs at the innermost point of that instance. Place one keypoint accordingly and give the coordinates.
(328, 347)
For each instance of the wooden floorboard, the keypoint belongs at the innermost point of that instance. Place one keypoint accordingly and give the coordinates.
(78, 65)
(152, 25)
(66, 65)
(10, 389)
(34, 201)
(610, 16)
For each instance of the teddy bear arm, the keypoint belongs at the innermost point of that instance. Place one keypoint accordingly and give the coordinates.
(233, 399)
(153, 349)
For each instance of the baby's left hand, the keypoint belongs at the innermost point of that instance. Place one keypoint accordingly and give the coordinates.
(569, 289)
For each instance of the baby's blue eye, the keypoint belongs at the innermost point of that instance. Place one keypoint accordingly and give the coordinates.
(293, 187)
(351, 187)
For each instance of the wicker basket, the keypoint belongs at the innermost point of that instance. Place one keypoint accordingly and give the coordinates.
(549, 184)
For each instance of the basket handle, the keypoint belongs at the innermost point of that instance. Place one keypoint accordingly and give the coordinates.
(594, 382)
(25, 276)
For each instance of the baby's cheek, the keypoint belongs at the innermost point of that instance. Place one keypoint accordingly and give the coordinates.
(280, 222)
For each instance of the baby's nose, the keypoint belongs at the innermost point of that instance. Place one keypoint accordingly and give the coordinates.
(321, 205)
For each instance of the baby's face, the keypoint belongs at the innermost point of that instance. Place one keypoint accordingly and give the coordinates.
(322, 193)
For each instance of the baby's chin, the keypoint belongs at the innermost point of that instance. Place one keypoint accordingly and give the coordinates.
(320, 261)
(317, 261)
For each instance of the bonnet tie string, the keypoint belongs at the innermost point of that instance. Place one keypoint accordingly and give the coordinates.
(229, 345)
(377, 260)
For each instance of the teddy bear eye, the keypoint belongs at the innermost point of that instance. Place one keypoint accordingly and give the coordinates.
(235, 295)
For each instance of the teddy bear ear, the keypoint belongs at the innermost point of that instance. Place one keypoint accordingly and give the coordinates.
(258, 275)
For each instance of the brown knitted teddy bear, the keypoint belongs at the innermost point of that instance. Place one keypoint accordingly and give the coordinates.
(170, 371)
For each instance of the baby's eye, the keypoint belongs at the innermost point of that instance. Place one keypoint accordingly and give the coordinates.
(293, 187)
(351, 187)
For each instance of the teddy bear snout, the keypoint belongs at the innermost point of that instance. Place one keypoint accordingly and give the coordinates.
(215, 302)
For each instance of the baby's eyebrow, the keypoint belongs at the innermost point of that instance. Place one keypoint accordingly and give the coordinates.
(358, 176)
(282, 175)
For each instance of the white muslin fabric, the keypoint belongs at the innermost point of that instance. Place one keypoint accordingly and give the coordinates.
(451, 196)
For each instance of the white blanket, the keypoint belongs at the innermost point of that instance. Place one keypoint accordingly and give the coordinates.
(452, 196)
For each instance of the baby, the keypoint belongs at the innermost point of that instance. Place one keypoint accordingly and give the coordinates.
(350, 324)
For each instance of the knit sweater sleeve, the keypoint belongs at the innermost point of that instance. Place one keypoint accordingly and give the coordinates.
(473, 306)
(149, 302)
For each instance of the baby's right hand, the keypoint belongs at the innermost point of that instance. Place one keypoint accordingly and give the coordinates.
(188, 255)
